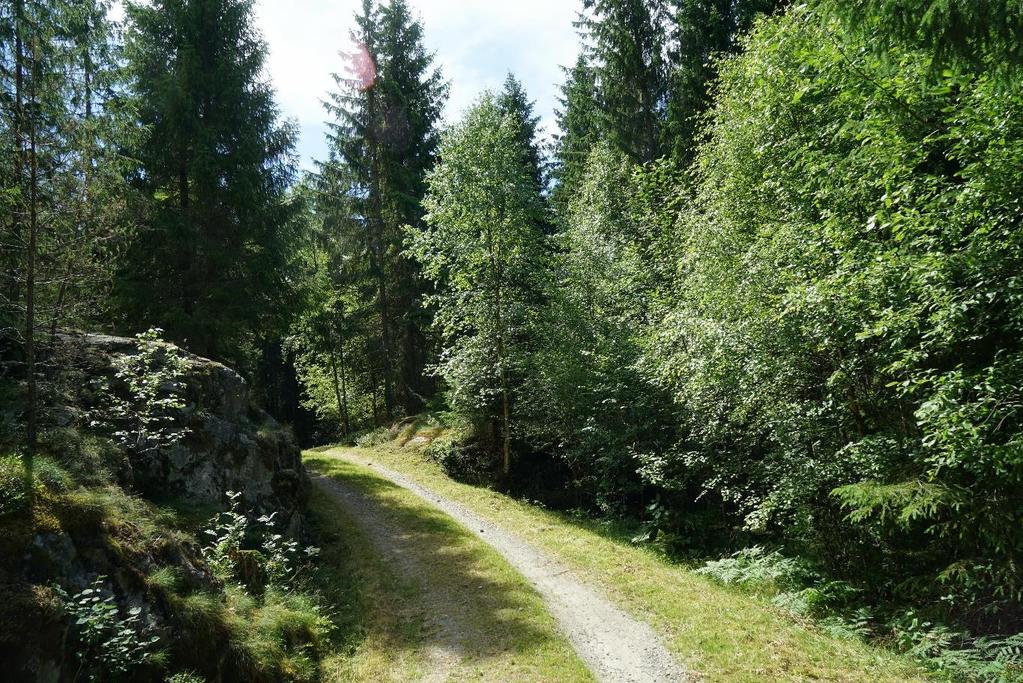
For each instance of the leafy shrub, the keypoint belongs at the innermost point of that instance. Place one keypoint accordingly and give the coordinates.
(13, 496)
(227, 531)
(282, 556)
(108, 644)
(462, 458)
(146, 420)
(275, 564)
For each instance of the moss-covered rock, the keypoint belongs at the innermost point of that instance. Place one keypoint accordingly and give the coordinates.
(230, 444)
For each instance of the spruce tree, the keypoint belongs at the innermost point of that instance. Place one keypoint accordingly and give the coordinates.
(974, 35)
(580, 129)
(702, 31)
(383, 140)
(626, 44)
(514, 100)
(216, 162)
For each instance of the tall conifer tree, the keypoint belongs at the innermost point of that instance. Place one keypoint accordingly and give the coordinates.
(579, 125)
(701, 31)
(216, 164)
(383, 141)
(514, 100)
(62, 186)
(626, 44)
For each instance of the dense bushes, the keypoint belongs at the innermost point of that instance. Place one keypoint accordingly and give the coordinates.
(811, 336)
(847, 329)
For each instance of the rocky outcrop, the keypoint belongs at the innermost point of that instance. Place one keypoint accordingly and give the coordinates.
(88, 525)
(229, 445)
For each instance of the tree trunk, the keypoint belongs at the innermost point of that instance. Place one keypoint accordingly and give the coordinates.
(32, 426)
(344, 384)
(497, 274)
(340, 391)
(83, 206)
(19, 156)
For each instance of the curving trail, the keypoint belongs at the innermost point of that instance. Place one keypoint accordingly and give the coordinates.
(616, 647)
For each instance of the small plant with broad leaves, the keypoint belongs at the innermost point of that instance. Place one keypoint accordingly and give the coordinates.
(146, 419)
(186, 677)
(109, 646)
(280, 558)
(227, 531)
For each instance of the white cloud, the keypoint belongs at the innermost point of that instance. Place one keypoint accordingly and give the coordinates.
(476, 43)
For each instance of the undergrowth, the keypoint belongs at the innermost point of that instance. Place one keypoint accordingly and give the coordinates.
(279, 627)
(795, 587)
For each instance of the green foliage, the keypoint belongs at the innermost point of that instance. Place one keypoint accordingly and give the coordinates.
(955, 33)
(702, 32)
(589, 401)
(756, 568)
(186, 677)
(109, 646)
(209, 260)
(579, 125)
(227, 531)
(460, 454)
(146, 420)
(373, 437)
(844, 319)
(957, 656)
(48, 475)
(626, 45)
(902, 503)
(383, 139)
(13, 496)
(514, 100)
(286, 634)
(277, 561)
(62, 175)
(482, 249)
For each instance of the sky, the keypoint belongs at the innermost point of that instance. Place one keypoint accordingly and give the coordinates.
(476, 43)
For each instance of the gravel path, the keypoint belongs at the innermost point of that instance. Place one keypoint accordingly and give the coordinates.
(446, 644)
(616, 647)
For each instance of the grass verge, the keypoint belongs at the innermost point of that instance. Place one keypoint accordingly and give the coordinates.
(720, 632)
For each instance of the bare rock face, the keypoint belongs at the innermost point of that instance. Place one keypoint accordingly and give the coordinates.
(230, 443)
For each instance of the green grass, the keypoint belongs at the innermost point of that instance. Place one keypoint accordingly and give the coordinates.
(498, 624)
(717, 631)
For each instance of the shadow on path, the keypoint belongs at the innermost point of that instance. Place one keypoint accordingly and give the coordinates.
(470, 605)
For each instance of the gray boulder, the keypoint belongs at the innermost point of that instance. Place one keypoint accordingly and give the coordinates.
(230, 443)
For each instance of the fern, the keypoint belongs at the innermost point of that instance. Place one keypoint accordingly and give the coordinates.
(903, 503)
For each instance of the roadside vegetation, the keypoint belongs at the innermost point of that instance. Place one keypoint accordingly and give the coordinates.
(149, 559)
(754, 296)
(114, 586)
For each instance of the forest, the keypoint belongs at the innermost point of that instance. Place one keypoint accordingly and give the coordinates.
(758, 296)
